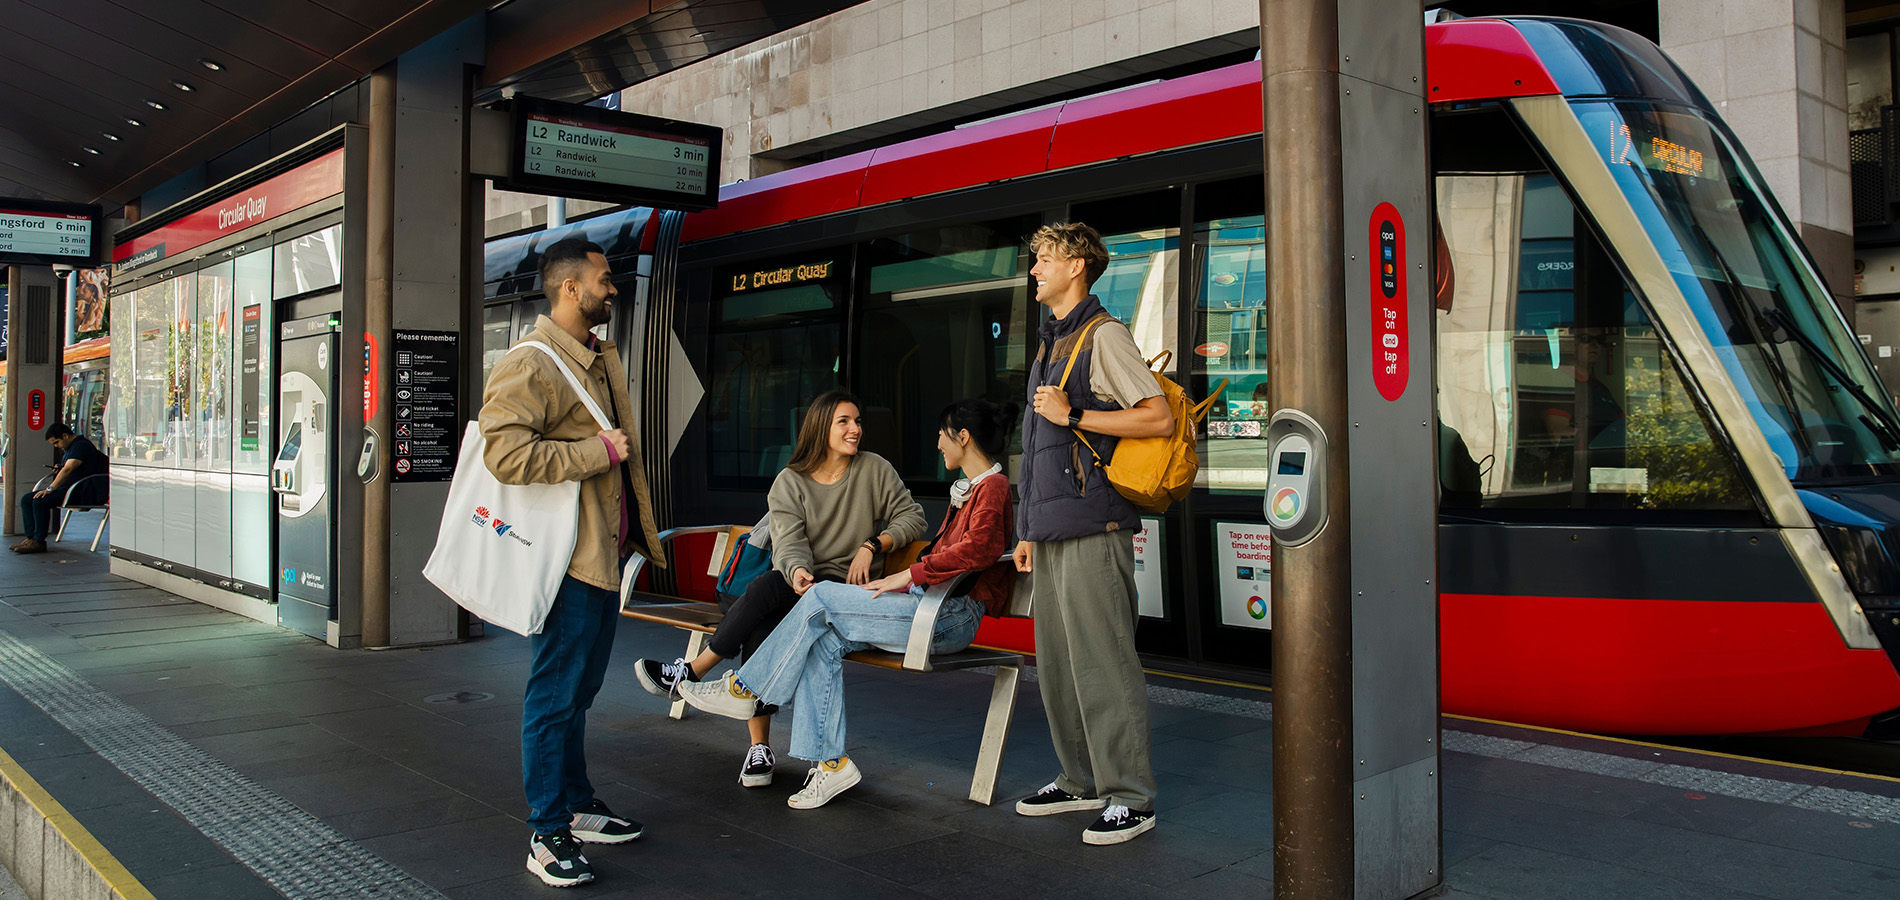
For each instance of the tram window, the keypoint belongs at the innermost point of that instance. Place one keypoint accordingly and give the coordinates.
(1231, 343)
(1140, 286)
(1555, 389)
(83, 398)
(496, 322)
(769, 358)
(943, 319)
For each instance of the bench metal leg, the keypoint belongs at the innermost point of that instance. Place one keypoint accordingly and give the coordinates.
(989, 759)
(695, 644)
(101, 532)
(65, 515)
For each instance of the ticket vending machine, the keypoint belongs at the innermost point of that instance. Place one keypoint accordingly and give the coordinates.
(303, 473)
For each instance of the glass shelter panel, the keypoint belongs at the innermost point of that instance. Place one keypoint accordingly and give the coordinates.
(252, 342)
(212, 343)
(309, 263)
(941, 322)
(181, 369)
(152, 395)
(121, 424)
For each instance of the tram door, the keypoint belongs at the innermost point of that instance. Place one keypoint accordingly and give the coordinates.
(303, 473)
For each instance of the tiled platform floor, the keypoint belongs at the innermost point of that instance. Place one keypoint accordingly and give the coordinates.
(412, 756)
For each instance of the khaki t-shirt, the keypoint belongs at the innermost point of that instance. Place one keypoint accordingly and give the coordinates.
(1117, 371)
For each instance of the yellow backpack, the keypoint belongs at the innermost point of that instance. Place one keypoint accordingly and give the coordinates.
(1156, 471)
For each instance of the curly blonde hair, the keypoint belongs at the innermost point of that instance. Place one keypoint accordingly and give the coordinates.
(1073, 240)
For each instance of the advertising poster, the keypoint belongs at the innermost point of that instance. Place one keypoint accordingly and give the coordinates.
(89, 288)
(1243, 561)
(1149, 600)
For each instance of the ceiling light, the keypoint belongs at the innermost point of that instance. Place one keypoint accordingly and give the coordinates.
(213, 65)
(90, 150)
(135, 123)
(74, 163)
(183, 86)
(154, 104)
(109, 135)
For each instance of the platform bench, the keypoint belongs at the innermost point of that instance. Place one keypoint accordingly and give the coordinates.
(699, 619)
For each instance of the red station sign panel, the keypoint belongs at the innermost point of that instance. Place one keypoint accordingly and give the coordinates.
(36, 410)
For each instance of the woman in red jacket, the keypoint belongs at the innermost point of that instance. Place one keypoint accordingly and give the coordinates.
(802, 662)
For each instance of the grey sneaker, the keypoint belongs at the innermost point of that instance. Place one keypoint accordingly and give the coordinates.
(757, 771)
(596, 824)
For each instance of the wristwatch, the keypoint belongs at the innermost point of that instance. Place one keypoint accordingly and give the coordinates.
(1075, 417)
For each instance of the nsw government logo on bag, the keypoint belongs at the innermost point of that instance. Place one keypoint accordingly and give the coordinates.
(501, 529)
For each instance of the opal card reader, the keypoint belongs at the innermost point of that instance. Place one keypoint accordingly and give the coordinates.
(1296, 478)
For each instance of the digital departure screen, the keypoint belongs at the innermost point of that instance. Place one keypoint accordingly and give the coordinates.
(570, 150)
(1292, 464)
(35, 232)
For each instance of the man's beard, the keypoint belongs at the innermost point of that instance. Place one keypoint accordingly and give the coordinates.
(597, 311)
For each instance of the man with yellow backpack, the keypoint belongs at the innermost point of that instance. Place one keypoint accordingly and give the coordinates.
(1090, 391)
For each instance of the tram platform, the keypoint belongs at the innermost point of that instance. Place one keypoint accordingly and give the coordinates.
(171, 750)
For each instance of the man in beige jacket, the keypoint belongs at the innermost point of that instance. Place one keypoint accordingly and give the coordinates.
(539, 432)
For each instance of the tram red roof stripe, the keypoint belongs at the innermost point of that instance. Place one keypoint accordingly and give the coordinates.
(1470, 59)
(1482, 59)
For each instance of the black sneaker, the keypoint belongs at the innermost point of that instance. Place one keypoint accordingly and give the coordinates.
(662, 679)
(1052, 800)
(596, 824)
(556, 859)
(1118, 824)
(757, 771)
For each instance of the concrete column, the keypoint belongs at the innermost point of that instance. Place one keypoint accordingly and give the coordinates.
(429, 290)
(1777, 71)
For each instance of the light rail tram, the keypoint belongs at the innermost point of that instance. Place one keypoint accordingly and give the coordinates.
(1670, 480)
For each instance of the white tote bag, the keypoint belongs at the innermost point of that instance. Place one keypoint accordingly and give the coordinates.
(502, 549)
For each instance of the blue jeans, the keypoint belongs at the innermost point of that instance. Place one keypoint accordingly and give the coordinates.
(37, 514)
(802, 663)
(568, 666)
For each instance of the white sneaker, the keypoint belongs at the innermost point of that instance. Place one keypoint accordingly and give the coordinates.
(723, 697)
(825, 781)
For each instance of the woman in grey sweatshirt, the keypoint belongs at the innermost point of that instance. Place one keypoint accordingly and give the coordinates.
(834, 513)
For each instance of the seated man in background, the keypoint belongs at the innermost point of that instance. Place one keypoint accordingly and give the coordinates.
(78, 460)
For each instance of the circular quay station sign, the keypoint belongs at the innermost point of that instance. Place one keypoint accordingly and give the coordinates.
(37, 232)
(569, 150)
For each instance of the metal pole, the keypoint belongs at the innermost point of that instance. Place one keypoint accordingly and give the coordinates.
(1306, 316)
(378, 301)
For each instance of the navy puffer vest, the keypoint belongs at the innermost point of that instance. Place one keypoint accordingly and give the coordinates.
(1065, 494)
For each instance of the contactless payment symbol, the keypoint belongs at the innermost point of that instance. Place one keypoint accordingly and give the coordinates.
(1286, 504)
(1257, 607)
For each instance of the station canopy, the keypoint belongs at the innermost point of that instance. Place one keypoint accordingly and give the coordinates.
(102, 100)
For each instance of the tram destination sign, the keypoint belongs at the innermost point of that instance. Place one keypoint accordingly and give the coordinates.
(36, 232)
(585, 152)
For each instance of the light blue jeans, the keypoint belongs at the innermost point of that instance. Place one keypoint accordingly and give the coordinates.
(802, 663)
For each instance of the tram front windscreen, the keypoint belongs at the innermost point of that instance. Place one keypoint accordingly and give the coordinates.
(1771, 321)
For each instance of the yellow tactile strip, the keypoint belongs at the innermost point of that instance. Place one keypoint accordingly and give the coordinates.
(14, 780)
